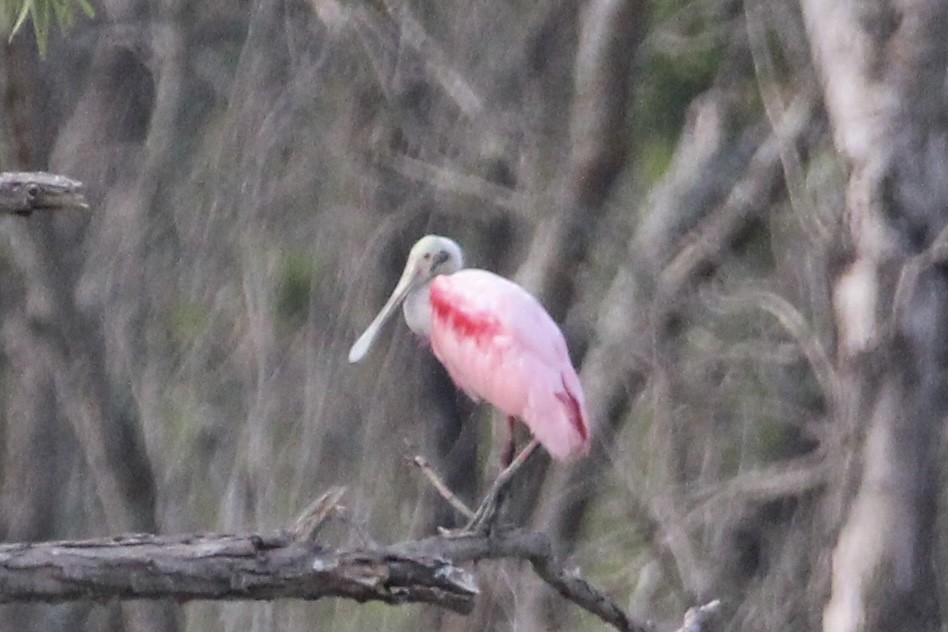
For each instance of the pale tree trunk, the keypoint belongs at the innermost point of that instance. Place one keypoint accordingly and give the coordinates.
(883, 71)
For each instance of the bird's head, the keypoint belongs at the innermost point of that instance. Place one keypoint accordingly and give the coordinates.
(431, 256)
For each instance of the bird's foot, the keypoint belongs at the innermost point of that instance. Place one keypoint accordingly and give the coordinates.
(483, 521)
(485, 518)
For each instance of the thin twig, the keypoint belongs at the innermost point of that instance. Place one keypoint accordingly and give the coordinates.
(451, 181)
(309, 522)
(795, 324)
(526, 545)
(442, 488)
(793, 171)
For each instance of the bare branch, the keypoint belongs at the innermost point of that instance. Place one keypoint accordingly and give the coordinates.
(225, 567)
(536, 548)
(444, 179)
(793, 321)
(790, 159)
(709, 238)
(935, 254)
(763, 485)
(309, 523)
(278, 566)
(442, 488)
(443, 72)
(24, 192)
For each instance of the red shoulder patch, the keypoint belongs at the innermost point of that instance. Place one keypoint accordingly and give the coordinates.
(477, 325)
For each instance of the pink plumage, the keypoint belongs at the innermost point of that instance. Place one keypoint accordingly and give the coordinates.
(499, 344)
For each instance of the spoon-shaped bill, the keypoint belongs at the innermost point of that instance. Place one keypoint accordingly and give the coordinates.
(362, 345)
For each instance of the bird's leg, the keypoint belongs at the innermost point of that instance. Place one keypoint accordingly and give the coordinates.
(486, 513)
(506, 458)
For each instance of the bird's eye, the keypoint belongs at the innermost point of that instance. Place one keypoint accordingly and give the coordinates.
(427, 256)
(32, 191)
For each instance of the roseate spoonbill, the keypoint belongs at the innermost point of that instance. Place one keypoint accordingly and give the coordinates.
(497, 343)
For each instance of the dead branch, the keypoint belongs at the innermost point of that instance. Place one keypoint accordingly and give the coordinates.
(762, 485)
(534, 547)
(24, 192)
(442, 489)
(225, 567)
(500, 199)
(278, 565)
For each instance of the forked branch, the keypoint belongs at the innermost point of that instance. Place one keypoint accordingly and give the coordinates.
(285, 564)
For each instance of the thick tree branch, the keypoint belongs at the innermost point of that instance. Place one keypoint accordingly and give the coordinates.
(280, 565)
(225, 567)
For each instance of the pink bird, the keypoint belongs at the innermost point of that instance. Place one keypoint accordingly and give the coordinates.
(496, 342)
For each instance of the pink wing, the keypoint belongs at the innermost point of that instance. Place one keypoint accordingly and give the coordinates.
(499, 344)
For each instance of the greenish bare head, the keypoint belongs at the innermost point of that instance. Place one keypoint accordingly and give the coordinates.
(431, 256)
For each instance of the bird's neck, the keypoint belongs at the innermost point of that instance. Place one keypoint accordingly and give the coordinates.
(417, 309)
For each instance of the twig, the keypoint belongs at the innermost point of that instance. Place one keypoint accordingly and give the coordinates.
(469, 545)
(395, 32)
(536, 548)
(793, 172)
(445, 74)
(795, 324)
(762, 485)
(442, 488)
(309, 522)
(444, 179)
(486, 514)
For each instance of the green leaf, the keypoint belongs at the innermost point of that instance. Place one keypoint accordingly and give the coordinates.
(42, 13)
(64, 14)
(21, 18)
(41, 16)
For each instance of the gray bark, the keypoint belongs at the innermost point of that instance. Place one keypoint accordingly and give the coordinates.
(879, 62)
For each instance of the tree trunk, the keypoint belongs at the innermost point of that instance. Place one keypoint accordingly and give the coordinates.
(878, 61)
